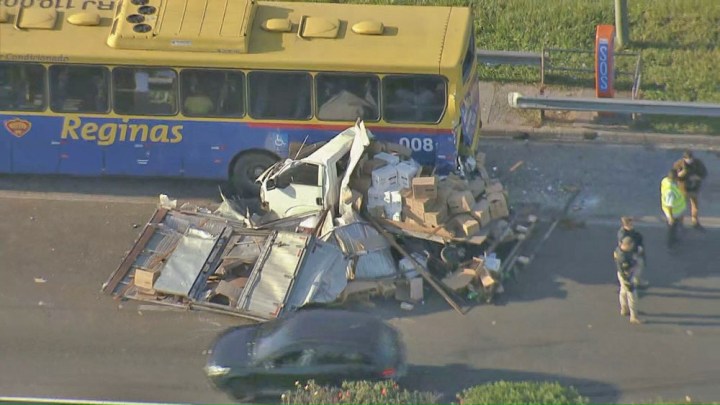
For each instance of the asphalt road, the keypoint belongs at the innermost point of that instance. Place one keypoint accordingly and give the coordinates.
(60, 337)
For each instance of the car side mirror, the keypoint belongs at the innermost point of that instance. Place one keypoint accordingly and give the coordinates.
(270, 184)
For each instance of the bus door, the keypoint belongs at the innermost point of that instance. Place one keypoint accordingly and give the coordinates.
(35, 143)
(79, 150)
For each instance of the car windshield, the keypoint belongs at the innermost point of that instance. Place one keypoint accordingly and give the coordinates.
(269, 335)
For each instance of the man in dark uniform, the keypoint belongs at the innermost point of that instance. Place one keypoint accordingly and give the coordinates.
(626, 262)
(691, 172)
(628, 230)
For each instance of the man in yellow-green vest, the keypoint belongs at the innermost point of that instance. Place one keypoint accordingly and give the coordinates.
(672, 200)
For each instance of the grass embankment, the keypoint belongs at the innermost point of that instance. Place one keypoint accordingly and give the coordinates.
(679, 41)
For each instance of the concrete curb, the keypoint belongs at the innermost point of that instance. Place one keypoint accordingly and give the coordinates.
(590, 135)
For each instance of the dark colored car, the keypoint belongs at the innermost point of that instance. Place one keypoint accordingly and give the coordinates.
(324, 345)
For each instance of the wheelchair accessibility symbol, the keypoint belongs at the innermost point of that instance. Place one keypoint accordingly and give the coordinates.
(278, 142)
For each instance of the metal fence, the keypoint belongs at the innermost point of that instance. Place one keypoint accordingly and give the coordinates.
(557, 60)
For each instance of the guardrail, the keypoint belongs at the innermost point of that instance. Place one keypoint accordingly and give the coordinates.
(547, 61)
(517, 58)
(614, 105)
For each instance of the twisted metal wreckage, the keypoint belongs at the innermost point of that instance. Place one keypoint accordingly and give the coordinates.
(315, 243)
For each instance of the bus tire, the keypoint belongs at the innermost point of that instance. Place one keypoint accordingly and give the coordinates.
(246, 168)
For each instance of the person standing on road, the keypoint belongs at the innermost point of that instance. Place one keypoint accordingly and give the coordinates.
(673, 205)
(691, 172)
(626, 263)
(628, 230)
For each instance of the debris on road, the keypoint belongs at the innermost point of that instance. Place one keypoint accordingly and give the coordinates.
(40, 280)
(353, 216)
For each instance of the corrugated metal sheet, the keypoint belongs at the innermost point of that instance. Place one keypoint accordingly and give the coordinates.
(360, 239)
(185, 263)
(321, 278)
(273, 275)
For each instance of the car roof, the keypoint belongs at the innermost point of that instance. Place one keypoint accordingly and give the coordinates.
(322, 327)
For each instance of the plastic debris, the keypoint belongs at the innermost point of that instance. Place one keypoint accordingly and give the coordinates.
(40, 280)
(407, 306)
(166, 202)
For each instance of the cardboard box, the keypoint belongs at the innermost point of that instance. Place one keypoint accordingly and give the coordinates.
(444, 191)
(435, 216)
(494, 187)
(375, 198)
(486, 279)
(406, 172)
(475, 267)
(425, 187)
(393, 211)
(398, 149)
(392, 196)
(409, 217)
(467, 224)
(416, 289)
(498, 206)
(384, 178)
(458, 280)
(420, 205)
(145, 279)
(477, 187)
(481, 212)
(456, 182)
(460, 201)
(372, 164)
(388, 158)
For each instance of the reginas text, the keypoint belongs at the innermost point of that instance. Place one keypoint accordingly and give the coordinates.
(110, 132)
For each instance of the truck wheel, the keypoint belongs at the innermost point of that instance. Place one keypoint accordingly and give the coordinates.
(246, 169)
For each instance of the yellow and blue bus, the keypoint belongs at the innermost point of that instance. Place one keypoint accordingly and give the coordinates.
(224, 88)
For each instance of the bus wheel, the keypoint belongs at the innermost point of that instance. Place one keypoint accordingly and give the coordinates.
(246, 169)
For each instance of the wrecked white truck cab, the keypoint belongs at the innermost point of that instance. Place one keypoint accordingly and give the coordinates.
(314, 183)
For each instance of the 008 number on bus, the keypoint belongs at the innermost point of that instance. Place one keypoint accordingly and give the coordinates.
(418, 144)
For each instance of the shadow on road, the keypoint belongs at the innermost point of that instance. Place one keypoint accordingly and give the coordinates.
(112, 186)
(451, 379)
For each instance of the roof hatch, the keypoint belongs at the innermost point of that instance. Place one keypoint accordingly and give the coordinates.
(85, 18)
(277, 25)
(183, 25)
(36, 18)
(318, 27)
(368, 27)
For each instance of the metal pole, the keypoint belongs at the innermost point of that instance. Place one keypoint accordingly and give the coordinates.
(622, 28)
(424, 273)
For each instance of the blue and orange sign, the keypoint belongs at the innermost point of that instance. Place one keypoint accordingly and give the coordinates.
(604, 61)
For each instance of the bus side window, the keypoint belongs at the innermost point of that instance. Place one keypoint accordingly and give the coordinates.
(79, 89)
(414, 98)
(145, 91)
(347, 97)
(280, 95)
(212, 93)
(22, 87)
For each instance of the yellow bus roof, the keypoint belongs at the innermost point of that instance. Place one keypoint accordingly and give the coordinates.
(242, 34)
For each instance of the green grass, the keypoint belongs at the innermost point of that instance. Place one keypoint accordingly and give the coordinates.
(679, 41)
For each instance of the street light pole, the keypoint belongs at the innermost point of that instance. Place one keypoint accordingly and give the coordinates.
(622, 27)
